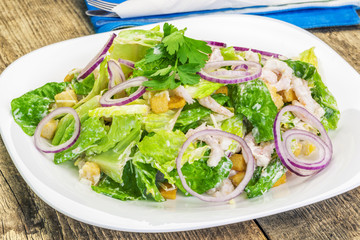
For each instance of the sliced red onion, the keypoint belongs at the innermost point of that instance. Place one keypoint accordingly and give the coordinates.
(240, 67)
(216, 44)
(43, 146)
(323, 143)
(106, 100)
(269, 54)
(254, 71)
(127, 63)
(116, 74)
(95, 61)
(228, 73)
(246, 153)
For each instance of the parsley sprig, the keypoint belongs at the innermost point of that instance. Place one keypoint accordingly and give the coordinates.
(174, 61)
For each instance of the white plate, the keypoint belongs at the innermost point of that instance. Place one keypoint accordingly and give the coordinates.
(58, 185)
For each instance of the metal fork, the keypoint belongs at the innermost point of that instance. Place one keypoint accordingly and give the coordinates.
(107, 6)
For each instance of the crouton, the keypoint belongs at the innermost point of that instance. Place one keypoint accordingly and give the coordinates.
(49, 129)
(159, 102)
(280, 181)
(166, 192)
(288, 95)
(237, 178)
(277, 99)
(89, 173)
(69, 77)
(238, 162)
(223, 89)
(176, 102)
(66, 98)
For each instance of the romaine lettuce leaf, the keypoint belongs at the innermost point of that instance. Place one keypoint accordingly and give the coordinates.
(163, 121)
(133, 44)
(141, 109)
(121, 127)
(127, 190)
(30, 108)
(192, 114)
(83, 87)
(162, 149)
(253, 100)
(229, 53)
(319, 92)
(202, 89)
(146, 178)
(101, 83)
(235, 126)
(200, 177)
(66, 125)
(92, 130)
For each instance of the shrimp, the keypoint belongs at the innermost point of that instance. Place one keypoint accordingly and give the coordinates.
(262, 153)
(303, 94)
(211, 104)
(181, 92)
(252, 56)
(225, 188)
(282, 71)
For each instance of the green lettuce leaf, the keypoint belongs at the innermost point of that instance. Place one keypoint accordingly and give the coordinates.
(319, 92)
(162, 121)
(121, 127)
(252, 99)
(146, 178)
(91, 131)
(101, 83)
(133, 44)
(141, 109)
(127, 190)
(66, 125)
(202, 89)
(235, 126)
(200, 177)
(193, 114)
(83, 87)
(161, 149)
(229, 53)
(30, 108)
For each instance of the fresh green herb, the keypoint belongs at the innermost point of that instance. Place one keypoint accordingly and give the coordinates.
(174, 61)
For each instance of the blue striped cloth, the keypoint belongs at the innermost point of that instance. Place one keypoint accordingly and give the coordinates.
(305, 17)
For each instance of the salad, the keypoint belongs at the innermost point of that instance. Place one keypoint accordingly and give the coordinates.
(156, 114)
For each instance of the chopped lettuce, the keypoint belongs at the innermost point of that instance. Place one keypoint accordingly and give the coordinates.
(229, 53)
(162, 149)
(309, 57)
(30, 108)
(66, 125)
(141, 109)
(319, 91)
(235, 126)
(191, 115)
(146, 178)
(200, 177)
(253, 100)
(202, 89)
(121, 127)
(85, 86)
(101, 83)
(91, 131)
(163, 121)
(127, 190)
(133, 44)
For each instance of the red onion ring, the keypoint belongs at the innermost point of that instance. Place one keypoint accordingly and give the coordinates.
(40, 144)
(228, 73)
(207, 71)
(299, 167)
(216, 44)
(246, 153)
(95, 61)
(241, 67)
(116, 74)
(127, 63)
(106, 100)
(269, 54)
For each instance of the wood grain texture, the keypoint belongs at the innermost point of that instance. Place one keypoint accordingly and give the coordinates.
(28, 25)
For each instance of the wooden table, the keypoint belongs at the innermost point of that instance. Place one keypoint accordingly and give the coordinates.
(31, 24)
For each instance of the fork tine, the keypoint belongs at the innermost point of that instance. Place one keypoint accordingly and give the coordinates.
(107, 3)
(99, 5)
